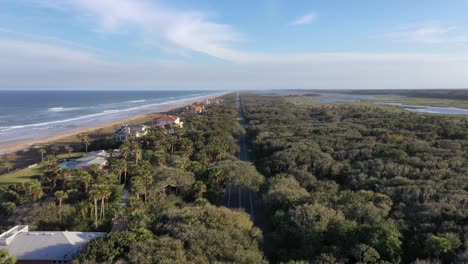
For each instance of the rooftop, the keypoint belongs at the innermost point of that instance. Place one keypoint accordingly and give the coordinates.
(132, 129)
(167, 118)
(45, 245)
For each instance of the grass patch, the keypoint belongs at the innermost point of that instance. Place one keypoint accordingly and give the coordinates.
(20, 176)
(27, 174)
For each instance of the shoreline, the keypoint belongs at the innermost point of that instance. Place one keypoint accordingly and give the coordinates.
(25, 145)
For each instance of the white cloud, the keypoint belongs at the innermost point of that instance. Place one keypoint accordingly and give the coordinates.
(49, 63)
(30, 65)
(305, 19)
(162, 26)
(429, 32)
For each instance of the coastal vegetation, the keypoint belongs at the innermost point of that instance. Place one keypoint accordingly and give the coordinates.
(335, 183)
(175, 178)
(350, 183)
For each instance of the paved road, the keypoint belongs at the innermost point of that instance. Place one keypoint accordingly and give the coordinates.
(235, 196)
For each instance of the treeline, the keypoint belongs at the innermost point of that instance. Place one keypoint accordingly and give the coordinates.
(357, 184)
(176, 184)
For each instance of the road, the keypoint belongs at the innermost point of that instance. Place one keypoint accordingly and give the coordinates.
(235, 196)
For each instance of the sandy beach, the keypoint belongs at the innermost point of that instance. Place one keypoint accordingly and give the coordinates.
(27, 144)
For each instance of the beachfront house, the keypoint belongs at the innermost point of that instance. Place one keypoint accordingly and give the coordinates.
(168, 120)
(99, 158)
(198, 107)
(128, 132)
(44, 246)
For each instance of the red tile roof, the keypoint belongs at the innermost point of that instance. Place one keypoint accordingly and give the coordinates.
(198, 104)
(167, 118)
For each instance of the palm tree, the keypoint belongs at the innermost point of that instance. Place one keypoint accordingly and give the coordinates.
(99, 131)
(137, 186)
(126, 149)
(34, 190)
(136, 150)
(199, 188)
(95, 195)
(172, 141)
(160, 156)
(42, 152)
(5, 257)
(118, 167)
(84, 177)
(60, 195)
(106, 193)
(55, 149)
(69, 150)
(83, 207)
(86, 140)
(6, 165)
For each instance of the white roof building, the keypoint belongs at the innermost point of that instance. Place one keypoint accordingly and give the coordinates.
(45, 246)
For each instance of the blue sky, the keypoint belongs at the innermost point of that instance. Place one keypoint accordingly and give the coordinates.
(209, 44)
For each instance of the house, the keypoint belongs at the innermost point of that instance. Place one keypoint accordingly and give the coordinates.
(198, 107)
(44, 246)
(98, 158)
(168, 120)
(128, 132)
(86, 163)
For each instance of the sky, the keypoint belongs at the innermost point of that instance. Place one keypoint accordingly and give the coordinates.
(232, 45)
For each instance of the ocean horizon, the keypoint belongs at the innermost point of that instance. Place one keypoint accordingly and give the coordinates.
(28, 114)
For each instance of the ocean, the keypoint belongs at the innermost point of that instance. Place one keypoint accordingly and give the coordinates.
(26, 115)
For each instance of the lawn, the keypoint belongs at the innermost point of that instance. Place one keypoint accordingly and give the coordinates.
(27, 174)
(21, 175)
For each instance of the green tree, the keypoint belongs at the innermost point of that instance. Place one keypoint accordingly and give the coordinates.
(69, 150)
(6, 258)
(163, 250)
(84, 178)
(86, 140)
(95, 195)
(119, 167)
(55, 149)
(203, 227)
(436, 245)
(6, 165)
(239, 173)
(60, 196)
(34, 190)
(42, 151)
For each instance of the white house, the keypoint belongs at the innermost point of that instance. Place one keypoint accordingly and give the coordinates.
(127, 132)
(168, 120)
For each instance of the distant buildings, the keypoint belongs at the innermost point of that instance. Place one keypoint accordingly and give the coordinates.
(168, 120)
(98, 158)
(44, 246)
(128, 132)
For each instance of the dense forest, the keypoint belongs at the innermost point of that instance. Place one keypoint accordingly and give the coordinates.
(358, 184)
(174, 213)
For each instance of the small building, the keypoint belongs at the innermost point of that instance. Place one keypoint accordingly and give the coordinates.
(128, 132)
(168, 120)
(98, 158)
(44, 246)
(198, 107)
(86, 162)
